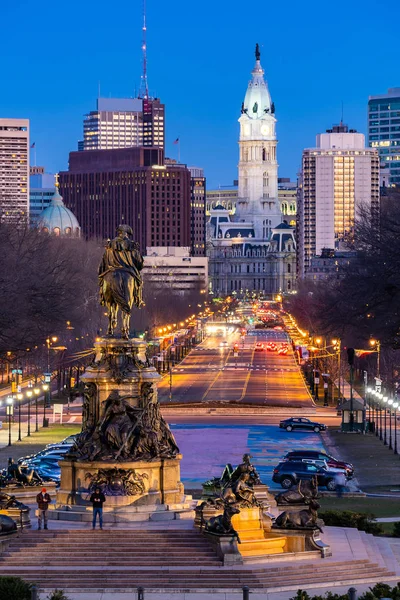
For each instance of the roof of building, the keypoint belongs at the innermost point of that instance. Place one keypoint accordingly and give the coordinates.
(57, 218)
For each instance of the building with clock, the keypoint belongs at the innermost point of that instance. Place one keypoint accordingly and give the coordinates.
(252, 249)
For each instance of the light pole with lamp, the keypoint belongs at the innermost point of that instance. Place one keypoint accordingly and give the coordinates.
(395, 406)
(385, 401)
(47, 375)
(337, 346)
(10, 400)
(45, 389)
(20, 397)
(376, 344)
(390, 403)
(29, 394)
(36, 391)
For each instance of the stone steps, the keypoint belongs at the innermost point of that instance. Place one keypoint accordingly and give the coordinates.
(176, 560)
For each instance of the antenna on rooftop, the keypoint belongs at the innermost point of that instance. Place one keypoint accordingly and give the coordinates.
(144, 90)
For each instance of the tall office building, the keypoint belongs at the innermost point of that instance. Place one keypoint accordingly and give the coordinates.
(338, 176)
(384, 133)
(104, 188)
(41, 191)
(14, 170)
(197, 212)
(124, 123)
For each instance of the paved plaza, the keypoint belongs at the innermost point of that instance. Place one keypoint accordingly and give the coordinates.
(207, 448)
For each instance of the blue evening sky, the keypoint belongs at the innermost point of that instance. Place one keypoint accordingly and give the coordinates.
(200, 55)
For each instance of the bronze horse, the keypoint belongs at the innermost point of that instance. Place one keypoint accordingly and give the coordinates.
(120, 280)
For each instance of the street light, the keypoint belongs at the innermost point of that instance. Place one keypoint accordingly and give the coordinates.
(19, 398)
(390, 402)
(395, 406)
(336, 344)
(45, 389)
(10, 400)
(385, 400)
(36, 391)
(376, 344)
(29, 394)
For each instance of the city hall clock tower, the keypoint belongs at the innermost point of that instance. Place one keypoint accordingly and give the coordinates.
(258, 167)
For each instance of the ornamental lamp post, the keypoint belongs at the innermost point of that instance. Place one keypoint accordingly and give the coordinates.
(380, 397)
(36, 391)
(19, 398)
(29, 394)
(9, 409)
(390, 403)
(45, 389)
(385, 401)
(376, 344)
(395, 406)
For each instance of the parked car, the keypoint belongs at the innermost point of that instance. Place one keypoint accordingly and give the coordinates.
(301, 423)
(314, 454)
(290, 472)
(70, 440)
(56, 454)
(259, 347)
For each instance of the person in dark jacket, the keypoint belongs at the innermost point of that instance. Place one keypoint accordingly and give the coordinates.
(97, 499)
(43, 500)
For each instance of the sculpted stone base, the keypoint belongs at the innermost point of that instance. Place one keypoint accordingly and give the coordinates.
(139, 483)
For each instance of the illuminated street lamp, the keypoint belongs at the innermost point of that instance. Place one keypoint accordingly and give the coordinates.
(385, 401)
(19, 398)
(29, 394)
(46, 387)
(390, 404)
(395, 406)
(376, 344)
(36, 391)
(9, 409)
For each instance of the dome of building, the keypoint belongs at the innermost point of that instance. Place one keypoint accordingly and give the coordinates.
(57, 219)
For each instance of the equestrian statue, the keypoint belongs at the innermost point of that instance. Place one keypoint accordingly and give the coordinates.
(120, 280)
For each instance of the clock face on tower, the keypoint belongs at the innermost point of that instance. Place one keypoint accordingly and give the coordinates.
(265, 129)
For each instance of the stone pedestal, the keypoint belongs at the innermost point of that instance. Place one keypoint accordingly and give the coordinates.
(126, 448)
(160, 478)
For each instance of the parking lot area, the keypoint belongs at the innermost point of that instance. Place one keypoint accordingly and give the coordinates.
(207, 448)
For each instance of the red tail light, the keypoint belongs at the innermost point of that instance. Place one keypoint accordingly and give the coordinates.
(276, 471)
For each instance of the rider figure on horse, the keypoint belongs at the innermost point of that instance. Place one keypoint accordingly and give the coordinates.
(119, 278)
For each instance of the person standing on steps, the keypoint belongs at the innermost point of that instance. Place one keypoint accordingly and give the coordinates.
(97, 499)
(43, 500)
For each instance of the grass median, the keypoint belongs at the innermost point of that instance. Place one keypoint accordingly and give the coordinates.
(36, 442)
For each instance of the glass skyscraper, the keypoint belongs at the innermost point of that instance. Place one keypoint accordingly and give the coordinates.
(384, 133)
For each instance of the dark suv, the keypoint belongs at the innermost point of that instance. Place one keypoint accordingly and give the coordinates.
(315, 455)
(289, 472)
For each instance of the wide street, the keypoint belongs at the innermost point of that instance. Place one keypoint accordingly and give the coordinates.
(212, 373)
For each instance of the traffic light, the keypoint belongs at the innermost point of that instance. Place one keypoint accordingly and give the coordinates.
(13, 387)
(350, 356)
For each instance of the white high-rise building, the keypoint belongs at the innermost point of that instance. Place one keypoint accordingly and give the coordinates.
(339, 176)
(253, 250)
(124, 123)
(14, 170)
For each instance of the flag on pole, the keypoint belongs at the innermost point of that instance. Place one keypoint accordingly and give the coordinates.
(362, 353)
(33, 145)
(176, 141)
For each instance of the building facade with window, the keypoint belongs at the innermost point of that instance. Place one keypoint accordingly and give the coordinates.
(249, 246)
(197, 212)
(339, 177)
(175, 269)
(124, 123)
(41, 192)
(14, 170)
(104, 188)
(384, 133)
